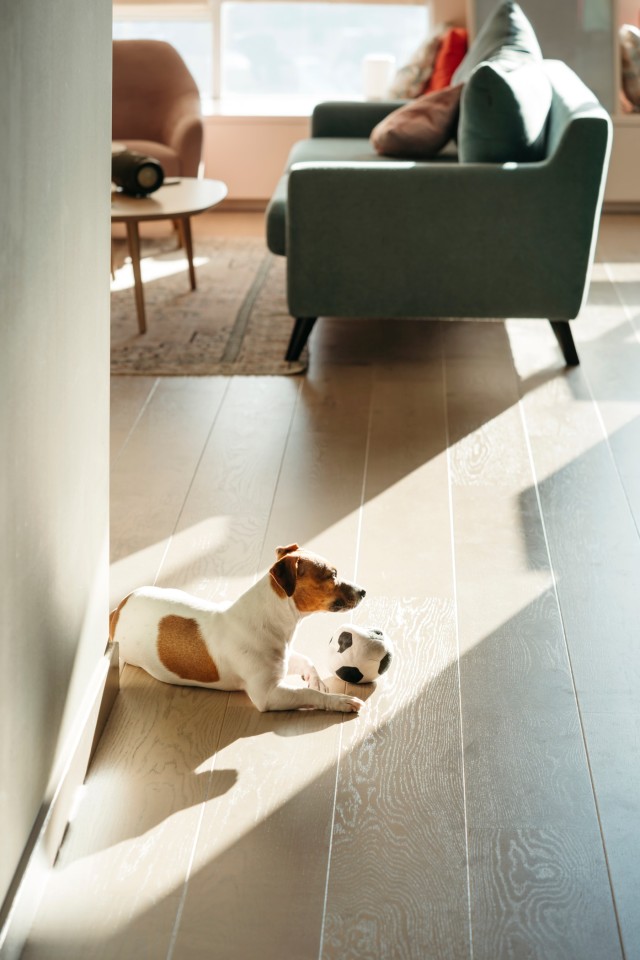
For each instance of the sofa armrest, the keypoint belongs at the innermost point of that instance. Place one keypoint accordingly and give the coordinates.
(430, 239)
(350, 118)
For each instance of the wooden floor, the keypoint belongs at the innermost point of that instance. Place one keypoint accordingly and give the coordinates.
(486, 804)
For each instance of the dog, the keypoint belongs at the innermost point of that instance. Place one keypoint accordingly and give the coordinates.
(246, 645)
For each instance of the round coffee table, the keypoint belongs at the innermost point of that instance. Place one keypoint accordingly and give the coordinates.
(178, 199)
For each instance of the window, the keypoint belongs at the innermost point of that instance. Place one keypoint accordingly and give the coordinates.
(270, 48)
(311, 49)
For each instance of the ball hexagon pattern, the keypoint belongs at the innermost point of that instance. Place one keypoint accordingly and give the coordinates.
(359, 654)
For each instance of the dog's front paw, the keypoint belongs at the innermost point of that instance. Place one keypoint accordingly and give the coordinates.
(346, 704)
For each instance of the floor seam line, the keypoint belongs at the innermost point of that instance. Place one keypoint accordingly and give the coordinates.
(457, 632)
(365, 467)
(137, 420)
(192, 481)
(277, 480)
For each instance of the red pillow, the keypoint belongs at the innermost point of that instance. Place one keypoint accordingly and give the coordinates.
(451, 52)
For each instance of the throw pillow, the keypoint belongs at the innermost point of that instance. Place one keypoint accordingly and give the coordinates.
(506, 34)
(450, 55)
(419, 129)
(630, 57)
(504, 113)
(410, 79)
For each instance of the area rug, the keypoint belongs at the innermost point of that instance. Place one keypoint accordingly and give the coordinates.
(235, 323)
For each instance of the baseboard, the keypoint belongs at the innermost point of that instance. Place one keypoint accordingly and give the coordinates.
(110, 691)
(243, 206)
(617, 206)
(21, 903)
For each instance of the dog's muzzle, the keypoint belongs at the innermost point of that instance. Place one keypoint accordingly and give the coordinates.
(349, 596)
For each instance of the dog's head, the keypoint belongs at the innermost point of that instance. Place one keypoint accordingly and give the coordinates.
(312, 582)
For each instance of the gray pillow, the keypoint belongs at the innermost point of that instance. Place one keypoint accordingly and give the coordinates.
(504, 113)
(506, 34)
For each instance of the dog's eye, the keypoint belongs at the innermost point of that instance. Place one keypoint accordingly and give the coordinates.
(331, 575)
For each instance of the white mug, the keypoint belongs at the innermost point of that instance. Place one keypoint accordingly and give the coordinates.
(377, 73)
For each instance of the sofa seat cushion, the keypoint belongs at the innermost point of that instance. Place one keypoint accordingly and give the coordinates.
(322, 149)
(504, 113)
(506, 35)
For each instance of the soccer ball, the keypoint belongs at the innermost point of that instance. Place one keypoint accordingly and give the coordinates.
(359, 654)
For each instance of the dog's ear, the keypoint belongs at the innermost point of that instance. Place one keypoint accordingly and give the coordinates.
(283, 551)
(285, 572)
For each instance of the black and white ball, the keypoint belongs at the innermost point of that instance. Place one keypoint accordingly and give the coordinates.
(359, 654)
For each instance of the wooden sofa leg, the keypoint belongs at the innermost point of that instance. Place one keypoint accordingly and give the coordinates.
(301, 330)
(564, 337)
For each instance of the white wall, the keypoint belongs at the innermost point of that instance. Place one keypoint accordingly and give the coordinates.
(55, 128)
(249, 153)
(578, 33)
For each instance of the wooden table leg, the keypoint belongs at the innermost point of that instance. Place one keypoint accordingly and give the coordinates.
(134, 249)
(188, 246)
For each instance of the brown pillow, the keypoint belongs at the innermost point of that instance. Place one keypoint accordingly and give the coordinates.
(419, 129)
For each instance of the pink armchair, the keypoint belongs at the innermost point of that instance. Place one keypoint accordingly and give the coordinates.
(156, 105)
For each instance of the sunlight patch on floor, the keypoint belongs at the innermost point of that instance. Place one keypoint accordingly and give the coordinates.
(623, 271)
(153, 268)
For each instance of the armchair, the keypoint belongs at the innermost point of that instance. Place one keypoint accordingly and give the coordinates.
(156, 105)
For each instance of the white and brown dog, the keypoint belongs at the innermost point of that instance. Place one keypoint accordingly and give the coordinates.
(181, 639)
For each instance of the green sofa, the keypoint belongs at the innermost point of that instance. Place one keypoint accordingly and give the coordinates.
(369, 236)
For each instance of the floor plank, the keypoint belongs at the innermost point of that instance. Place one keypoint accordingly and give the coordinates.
(530, 808)
(151, 479)
(399, 801)
(529, 887)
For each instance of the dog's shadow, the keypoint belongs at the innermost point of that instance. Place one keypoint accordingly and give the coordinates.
(160, 751)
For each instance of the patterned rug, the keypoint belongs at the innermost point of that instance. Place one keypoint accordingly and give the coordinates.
(236, 322)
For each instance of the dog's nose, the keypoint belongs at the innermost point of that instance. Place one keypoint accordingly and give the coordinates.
(362, 593)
